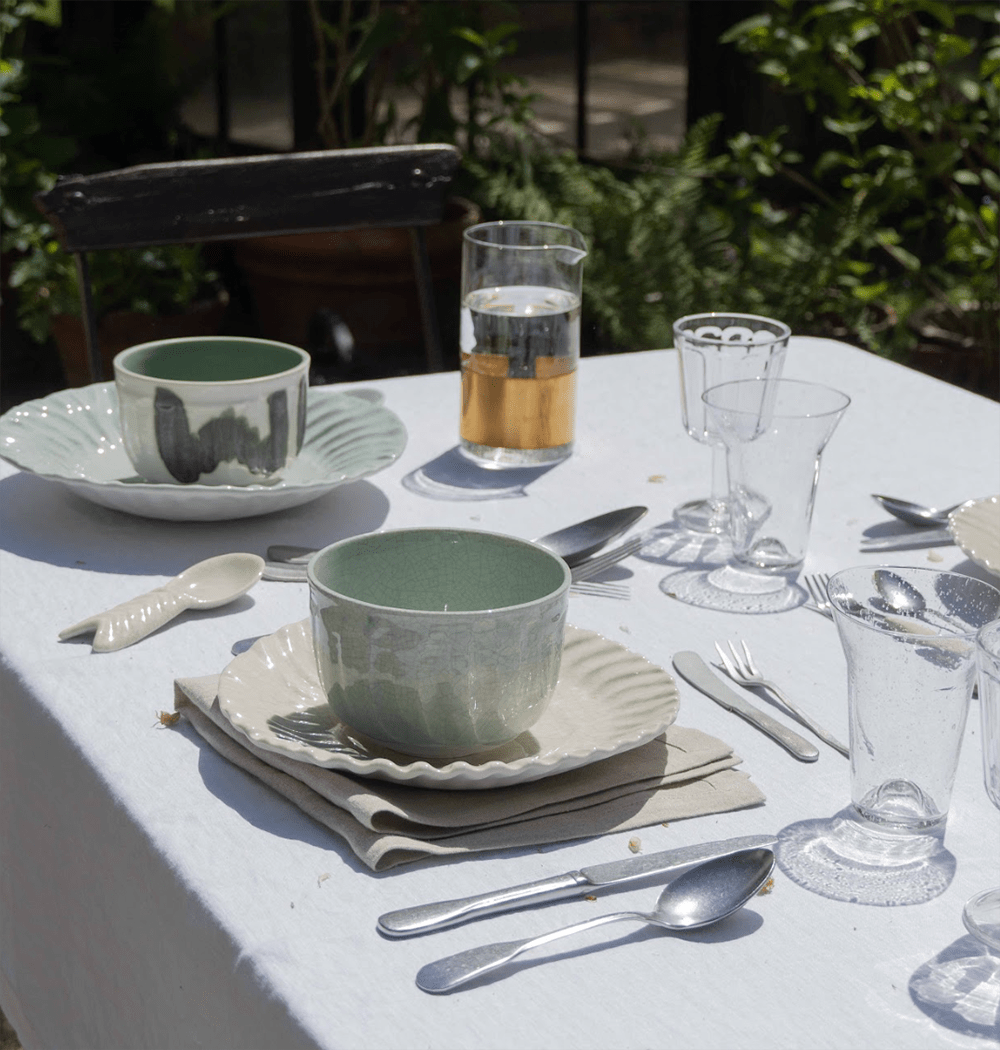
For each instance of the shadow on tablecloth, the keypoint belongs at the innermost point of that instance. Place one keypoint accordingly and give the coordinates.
(959, 988)
(43, 521)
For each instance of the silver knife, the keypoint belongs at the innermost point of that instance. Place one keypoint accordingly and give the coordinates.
(698, 673)
(925, 538)
(427, 917)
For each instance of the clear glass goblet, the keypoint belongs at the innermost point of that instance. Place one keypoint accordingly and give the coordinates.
(982, 912)
(715, 348)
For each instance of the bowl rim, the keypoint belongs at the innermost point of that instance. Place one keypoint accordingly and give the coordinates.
(118, 362)
(556, 593)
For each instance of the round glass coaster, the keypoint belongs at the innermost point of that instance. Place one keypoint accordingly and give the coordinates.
(846, 861)
(729, 589)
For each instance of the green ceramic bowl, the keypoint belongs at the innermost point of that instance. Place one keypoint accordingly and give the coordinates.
(212, 410)
(438, 643)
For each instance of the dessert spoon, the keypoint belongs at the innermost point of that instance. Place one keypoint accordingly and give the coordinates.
(701, 896)
(914, 513)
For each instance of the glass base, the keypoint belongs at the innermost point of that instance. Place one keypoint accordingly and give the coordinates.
(846, 860)
(500, 458)
(902, 805)
(982, 918)
(703, 515)
(731, 589)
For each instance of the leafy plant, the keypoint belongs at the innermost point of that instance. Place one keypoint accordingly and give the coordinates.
(155, 280)
(889, 233)
(903, 203)
(442, 53)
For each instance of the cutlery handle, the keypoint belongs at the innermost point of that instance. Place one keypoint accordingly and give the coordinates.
(131, 621)
(449, 973)
(426, 917)
(788, 738)
(697, 672)
(806, 720)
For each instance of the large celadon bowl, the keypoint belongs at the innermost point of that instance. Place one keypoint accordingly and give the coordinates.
(438, 643)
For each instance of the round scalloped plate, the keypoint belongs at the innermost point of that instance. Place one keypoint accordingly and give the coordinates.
(608, 700)
(74, 438)
(976, 528)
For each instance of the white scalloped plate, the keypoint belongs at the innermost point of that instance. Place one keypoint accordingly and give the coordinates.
(976, 528)
(608, 700)
(74, 438)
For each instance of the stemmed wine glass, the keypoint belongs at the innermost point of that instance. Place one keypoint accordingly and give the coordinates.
(982, 912)
(715, 348)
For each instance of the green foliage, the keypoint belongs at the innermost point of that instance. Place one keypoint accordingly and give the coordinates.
(902, 205)
(55, 113)
(894, 221)
(441, 51)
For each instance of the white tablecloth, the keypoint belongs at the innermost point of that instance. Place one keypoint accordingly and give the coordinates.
(155, 896)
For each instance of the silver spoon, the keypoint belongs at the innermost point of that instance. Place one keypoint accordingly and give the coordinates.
(901, 597)
(914, 513)
(573, 544)
(701, 896)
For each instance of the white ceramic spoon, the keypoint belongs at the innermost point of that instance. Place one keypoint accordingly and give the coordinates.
(207, 585)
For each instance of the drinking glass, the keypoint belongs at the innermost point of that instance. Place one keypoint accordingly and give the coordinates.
(714, 348)
(982, 912)
(520, 342)
(909, 683)
(774, 432)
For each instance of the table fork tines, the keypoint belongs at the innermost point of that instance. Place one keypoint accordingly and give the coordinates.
(740, 667)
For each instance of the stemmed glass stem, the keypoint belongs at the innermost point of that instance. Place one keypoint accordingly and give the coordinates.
(712, 513)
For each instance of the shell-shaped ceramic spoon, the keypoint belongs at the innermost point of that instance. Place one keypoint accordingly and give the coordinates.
(207, 585)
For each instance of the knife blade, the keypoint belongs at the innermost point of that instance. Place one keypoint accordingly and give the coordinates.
(698, 673)
(427, 917)
(910, 541)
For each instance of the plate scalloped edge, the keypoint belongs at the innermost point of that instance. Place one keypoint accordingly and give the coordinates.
(976, 528)
(349, 436)
(632, 702)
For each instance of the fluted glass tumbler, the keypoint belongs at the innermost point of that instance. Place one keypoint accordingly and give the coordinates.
(715, 348)
(982, 912)
(774, 433)
(910, 673)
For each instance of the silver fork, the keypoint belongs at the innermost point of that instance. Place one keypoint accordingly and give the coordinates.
(816, 585)
(596, 565)
(741, 668)
(305, 729)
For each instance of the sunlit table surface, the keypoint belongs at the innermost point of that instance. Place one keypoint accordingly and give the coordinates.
(155, 896)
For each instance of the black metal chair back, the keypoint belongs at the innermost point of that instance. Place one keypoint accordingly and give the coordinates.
(236, 197)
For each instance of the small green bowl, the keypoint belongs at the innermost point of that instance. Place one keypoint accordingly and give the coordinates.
(215, 410)
(438, 643)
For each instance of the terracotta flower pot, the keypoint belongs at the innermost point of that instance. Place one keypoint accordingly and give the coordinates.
(365, 276)
(119, 329)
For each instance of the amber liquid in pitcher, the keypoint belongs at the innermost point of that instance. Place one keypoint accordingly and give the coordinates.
(519, 353)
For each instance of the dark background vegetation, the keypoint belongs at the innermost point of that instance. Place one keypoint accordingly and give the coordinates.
(837, 170)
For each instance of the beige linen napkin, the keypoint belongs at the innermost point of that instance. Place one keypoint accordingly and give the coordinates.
(683, 773)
